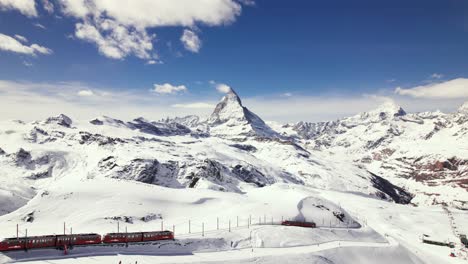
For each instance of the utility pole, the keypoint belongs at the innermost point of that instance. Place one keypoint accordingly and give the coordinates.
(217, 223)
(173, 229)
(189, 231)
(17, 231)
(203, 229)
(118, 227)
(229, 225)
(63, 228)
(71, 230)
(162, 225)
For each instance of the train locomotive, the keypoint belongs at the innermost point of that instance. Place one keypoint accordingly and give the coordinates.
(299, 224)
(70, 241)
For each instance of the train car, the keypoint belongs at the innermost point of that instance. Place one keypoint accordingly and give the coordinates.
(159, 235)
(299, 223)
(77, 240)
(122, 237)
(25, 243)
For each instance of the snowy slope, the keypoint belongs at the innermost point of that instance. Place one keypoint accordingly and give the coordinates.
(354, 177)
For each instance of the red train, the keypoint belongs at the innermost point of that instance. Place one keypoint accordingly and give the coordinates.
(69, 241)
(299, 223)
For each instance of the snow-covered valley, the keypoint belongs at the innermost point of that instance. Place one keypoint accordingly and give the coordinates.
(374, 184)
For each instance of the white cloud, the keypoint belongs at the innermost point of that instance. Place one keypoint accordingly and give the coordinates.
(39, 26)
(8, 43)
(120, 30)
(223, 88)
(437, 76)
(25, 7)
(457, 88)
(85, 93)
(48, 6)
(198, 105)
(27, 64)
(114, 40)
(29, 101)
(286, 94)
(191, 41)
(32, 101)
(21, 38)
(168, 88)
(154, 61)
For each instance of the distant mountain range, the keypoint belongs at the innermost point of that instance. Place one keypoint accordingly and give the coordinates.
(419, 158)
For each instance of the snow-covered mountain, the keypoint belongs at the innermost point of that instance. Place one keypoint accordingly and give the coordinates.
(426, 153)
(234, 150)
(95, 173)
(231, 118)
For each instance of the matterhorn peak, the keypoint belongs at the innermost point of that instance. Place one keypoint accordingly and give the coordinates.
(388, 109)
(231, 117)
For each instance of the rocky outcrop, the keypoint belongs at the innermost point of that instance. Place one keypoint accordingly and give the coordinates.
(250, 174)
(61, 120)
(389, 191)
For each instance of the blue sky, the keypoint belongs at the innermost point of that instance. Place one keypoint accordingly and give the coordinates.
(267, 50)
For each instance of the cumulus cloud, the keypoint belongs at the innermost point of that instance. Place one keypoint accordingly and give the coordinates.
(198, 105)
(168, 88)
(25, 7)
(11, 44)
(120, 30)
(457, 88)
(85, 93)
(191, 41)
(223, 88)
(115, 40)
